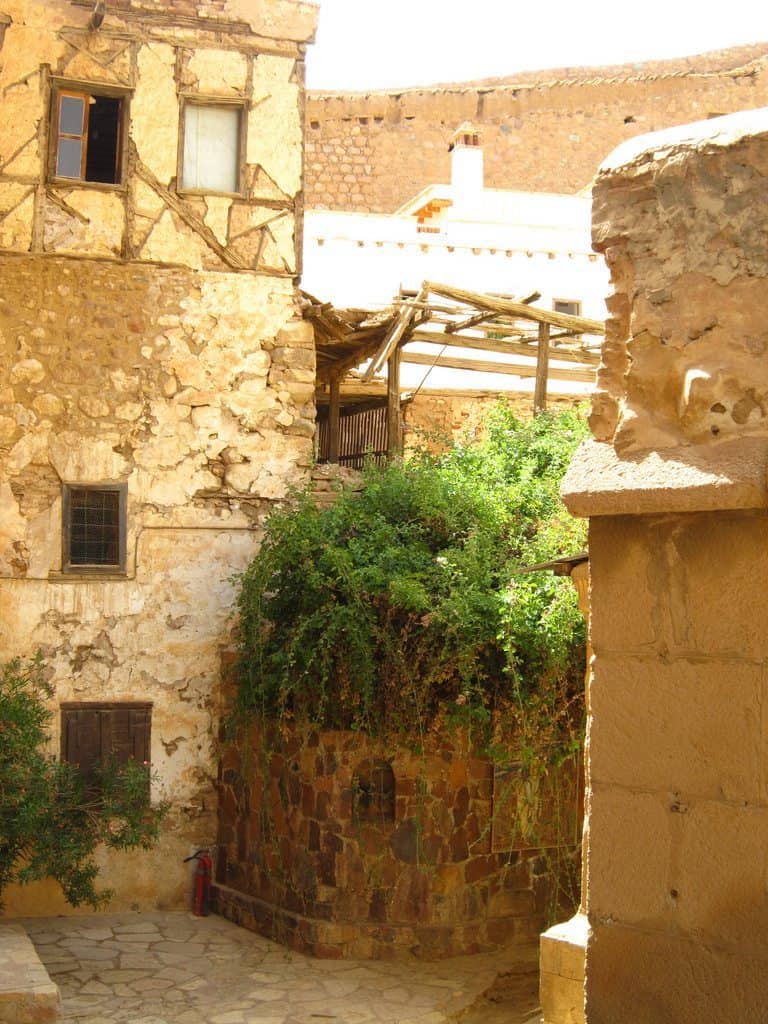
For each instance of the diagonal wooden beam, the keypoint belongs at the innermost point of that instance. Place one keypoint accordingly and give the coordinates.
(190, 218)
(394, 336)
(485, 317)
(564, 321)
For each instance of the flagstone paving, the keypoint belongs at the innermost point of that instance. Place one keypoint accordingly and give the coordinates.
(173, 968)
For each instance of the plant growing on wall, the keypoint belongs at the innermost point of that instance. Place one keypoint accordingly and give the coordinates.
(401, 612)
(50, 822)
(402, 605)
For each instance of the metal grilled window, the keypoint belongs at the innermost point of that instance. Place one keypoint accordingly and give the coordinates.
(94, 528)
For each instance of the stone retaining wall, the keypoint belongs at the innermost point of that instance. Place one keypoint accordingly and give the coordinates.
(27, 994)
(314, 852)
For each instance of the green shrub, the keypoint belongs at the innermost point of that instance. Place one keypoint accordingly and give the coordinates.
(50, 824)
(401, 604)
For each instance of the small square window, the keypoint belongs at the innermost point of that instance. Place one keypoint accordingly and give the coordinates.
(570, 306)
(211, 156)
(94, 528)
(93, 734)
(86, 136)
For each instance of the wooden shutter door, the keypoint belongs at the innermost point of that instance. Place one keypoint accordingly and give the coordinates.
(138, 729)
(82, 741)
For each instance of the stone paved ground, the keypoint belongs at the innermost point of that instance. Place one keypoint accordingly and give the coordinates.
(178, 969)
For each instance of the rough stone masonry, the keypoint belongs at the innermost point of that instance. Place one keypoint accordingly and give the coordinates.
(675, 484)
(151, 350)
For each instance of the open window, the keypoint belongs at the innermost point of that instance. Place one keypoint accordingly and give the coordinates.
(87, 136)
(93, 528)
(211, 146)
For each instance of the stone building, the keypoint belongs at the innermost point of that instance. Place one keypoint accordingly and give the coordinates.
(674, 485)
(156, 381)
(544, 131)
(460, 233)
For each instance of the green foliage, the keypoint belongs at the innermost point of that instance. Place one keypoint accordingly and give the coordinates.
(50, 824)
(401, 605)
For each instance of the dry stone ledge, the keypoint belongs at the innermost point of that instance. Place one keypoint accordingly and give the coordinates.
(27, 994)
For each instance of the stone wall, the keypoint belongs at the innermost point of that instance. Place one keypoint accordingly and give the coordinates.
(675, 486)
(542, 132)
(150, 338)
(433, 418)
(302, 860)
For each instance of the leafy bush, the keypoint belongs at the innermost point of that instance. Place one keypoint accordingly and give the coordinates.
(50, 824)
(402, 604)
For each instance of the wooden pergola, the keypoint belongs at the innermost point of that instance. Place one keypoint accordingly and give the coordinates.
(538, 343)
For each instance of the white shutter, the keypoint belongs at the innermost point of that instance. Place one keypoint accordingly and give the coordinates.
(211, 148)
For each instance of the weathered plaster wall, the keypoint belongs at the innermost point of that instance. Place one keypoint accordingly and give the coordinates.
(542, 131)
(675, 487)
(148, 337)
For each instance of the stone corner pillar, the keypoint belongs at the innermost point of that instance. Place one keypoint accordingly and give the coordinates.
(563, 947)
(674, 484)
(562, 954)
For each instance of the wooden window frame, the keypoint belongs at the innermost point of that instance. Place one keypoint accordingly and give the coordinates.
(107, 708)
(85, 568)
(571, 302)
(86, 90)
(197, 100)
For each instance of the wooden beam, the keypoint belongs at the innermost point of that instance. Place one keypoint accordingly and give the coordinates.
(471, 321)
(394, 336)
(542, 369)
(566, 355)
(334, 419)
(583, 374)
(480, 318)
(517, 309)
(394, 418)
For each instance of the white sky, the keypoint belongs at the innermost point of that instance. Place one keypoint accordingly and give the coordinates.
(375, 44)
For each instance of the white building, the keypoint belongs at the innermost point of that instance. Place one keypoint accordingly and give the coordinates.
(462, 234)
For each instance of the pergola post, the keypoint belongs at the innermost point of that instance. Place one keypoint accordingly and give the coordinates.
(394, 421)
(542, 371)
(334, 419)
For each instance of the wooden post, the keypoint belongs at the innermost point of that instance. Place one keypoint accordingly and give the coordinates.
(334, 419)
(542, 369)
(394, 422)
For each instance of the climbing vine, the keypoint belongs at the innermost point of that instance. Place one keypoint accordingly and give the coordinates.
(403, 604)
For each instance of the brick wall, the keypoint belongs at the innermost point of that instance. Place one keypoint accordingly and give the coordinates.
(546, 131)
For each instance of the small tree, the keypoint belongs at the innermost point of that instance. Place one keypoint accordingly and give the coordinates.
(50, 822)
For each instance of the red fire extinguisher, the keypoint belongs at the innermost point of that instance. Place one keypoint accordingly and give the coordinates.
(201, 902)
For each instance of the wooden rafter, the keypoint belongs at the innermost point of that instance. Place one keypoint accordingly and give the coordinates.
(394, 336)
(516, 309)
(504, 347)
(576, 373)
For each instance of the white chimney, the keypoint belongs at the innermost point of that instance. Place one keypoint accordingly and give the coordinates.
(466, 162)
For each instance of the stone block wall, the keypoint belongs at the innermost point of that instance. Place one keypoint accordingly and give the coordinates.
(542, 131)
(675, 485)
(150, 339)
(302, 861)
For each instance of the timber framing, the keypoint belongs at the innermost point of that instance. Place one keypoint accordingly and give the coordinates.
(528, 342)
